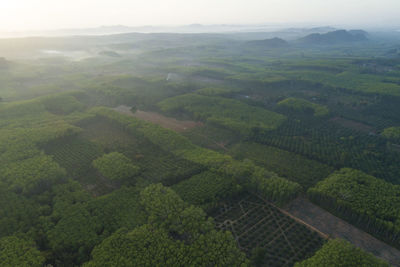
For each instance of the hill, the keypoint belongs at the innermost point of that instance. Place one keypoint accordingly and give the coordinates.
(269, 43)
(335, 37)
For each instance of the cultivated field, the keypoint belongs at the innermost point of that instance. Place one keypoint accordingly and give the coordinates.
(260, 226)
(166, 122)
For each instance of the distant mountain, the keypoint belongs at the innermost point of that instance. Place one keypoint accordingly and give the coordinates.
(269, 43)
(324, 29)
(255, 29)
(335, 37)
(116, 29)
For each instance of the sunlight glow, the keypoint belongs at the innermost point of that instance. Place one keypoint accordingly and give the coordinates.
(51, 14)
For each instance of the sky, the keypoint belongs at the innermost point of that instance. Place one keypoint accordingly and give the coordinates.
(22, 15)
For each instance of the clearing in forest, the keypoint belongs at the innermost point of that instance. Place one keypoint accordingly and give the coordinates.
(337, 228)
(166, 122)
(264, 230)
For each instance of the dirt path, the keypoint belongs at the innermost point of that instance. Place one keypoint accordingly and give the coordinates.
(166, 122)
(336, 227)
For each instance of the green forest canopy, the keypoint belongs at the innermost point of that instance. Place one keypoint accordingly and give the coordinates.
(337, 252)
(116, 166)
(176, 234)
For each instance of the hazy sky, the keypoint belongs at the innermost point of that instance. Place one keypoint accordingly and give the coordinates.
(52, 14)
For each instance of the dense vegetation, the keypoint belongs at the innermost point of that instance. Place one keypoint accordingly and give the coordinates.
(176, 234)
(338, 252)
(337, 146)
(293, 166)
(16, 251)
(392, 133)
(207, 189)
(83, 185)
(115, 166)
(362, 199)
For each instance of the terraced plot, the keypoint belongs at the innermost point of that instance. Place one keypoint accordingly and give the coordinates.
(259, 225)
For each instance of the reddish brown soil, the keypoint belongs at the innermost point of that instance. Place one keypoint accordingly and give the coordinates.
(166, 122)
(337, 228)
(353, 125)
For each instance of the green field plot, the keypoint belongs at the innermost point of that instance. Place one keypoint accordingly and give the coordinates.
(265, 233)
(336, 146)
(358, 82)
(293, 166)
(228, 113)
(304, 106)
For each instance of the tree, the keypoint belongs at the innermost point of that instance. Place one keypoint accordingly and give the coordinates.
(17, 213)
(21, 252)
(176, 235)
(116, 166)
(337, 252)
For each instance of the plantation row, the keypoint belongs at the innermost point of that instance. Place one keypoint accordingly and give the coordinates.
(363, 200)
(156, 165)
(287, 164)
(380, 113)
(245, 173)
(269, 237)
(74, 154)
(25, 126)
(336, 146)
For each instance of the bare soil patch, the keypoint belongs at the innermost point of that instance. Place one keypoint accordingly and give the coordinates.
(338, 228)
(166, 122)
(354, 125)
